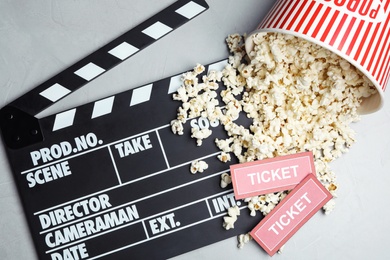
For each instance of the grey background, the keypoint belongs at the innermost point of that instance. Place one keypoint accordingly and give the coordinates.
(41, 38)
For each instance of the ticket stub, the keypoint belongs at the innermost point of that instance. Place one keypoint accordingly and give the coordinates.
(271, 175)
(290, 215)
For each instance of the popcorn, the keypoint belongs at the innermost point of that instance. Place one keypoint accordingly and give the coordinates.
(281, 249)
(226, 179)
(234, 211)
(329, 206)
(253, 206)
(224, 157)
(264, 203)
(181, 95)
(298, 95)
(229, 220)
(198, 166)
(200, 134)
(243, 239)
(177, 127)
(199, 69)
(224, 145)
(332, 188)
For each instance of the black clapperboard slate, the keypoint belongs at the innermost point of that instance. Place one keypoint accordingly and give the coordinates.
(109, 179)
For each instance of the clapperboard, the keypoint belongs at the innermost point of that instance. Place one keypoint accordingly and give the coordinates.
(109, 179)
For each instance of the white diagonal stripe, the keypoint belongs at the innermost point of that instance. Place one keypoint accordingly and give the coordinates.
(190, 10)
(123, 51)
(64, 119)
(55, 92)
(157, 30)
(174, 84)
(89, 71)
(141, 94)
(102, 107)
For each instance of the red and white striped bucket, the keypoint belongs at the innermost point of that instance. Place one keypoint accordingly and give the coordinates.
(357, 30)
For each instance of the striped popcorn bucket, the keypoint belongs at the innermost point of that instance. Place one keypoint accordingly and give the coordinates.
(356, 30)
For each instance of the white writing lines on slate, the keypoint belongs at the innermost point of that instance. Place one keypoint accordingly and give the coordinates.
(163, 150)
(209, 208)
(143, 220)
(139, 200)
(92, 149)
(118, 186)
(115, 167)
(127, 183)
(158, 236)
(171, 168)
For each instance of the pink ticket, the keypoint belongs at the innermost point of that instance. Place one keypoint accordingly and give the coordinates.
(271, 175)
(294, 211)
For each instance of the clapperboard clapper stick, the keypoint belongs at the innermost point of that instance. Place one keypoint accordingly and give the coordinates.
(104, 181)
(87, 69)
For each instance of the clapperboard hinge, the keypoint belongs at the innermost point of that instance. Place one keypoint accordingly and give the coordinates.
(19, 129)
(18, 123)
